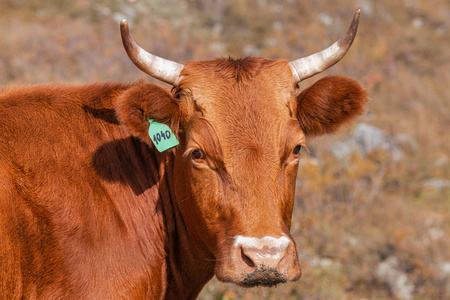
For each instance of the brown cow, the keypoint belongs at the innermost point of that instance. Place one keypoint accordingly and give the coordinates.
(89, 209)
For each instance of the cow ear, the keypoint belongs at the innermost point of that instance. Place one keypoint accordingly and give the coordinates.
(329, 104)
(144, 101)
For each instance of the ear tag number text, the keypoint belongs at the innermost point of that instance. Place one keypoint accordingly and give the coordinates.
(161, 136)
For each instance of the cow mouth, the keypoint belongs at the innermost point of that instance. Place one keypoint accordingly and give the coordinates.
(263, 276)
(261, 261)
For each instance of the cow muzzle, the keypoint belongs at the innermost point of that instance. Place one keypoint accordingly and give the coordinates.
(265, 261)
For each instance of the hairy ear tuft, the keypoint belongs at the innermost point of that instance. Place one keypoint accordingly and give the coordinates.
(147, 101)
(330, 103)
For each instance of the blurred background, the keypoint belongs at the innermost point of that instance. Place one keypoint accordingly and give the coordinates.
(372, 213)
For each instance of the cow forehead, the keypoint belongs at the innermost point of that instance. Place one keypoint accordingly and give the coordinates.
(247, 103)
(250, 92)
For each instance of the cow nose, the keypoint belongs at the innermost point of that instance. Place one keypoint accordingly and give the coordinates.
(266, 261)
(267, 255)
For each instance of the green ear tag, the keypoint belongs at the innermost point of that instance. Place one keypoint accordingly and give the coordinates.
(162, 136)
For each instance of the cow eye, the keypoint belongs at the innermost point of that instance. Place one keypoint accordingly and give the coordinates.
(198, 154)
(296, 150)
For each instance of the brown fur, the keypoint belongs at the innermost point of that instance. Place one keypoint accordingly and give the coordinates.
(240, 70)
(329, 104)
(147, 101)
(90, 210)
(69, 174)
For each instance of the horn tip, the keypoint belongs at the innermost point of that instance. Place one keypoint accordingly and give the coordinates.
(355, 21)
(124, 27)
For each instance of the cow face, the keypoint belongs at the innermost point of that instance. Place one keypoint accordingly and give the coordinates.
(240, 149)
(241, 125)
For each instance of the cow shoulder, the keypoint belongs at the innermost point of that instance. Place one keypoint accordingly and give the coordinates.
(69, 177)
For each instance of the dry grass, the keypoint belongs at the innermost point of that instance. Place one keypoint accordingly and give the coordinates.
(351, 215)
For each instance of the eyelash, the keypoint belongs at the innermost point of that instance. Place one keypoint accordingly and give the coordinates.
(297, 150)
(198, 155)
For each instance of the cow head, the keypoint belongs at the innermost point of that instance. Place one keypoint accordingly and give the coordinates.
(242, 125)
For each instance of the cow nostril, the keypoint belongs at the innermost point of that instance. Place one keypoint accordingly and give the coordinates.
(247, 259)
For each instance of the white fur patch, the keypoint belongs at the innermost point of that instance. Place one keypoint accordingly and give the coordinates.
(250, 242)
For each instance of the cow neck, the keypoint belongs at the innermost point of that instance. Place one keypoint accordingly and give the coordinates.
(186, 274)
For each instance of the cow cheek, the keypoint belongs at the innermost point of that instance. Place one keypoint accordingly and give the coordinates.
(206, 188)
(197, 202)
(289, 193)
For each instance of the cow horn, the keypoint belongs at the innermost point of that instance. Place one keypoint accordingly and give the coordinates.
(155, 66)
(311, 65)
